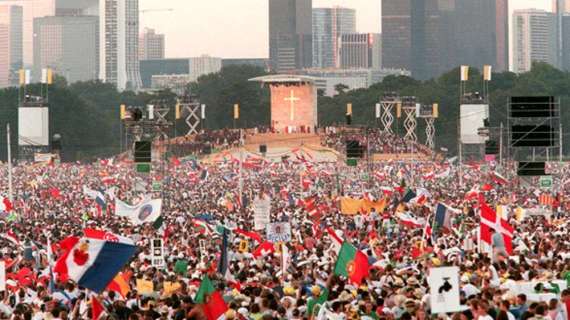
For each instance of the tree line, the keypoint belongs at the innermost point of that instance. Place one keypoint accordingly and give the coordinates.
(87, 114)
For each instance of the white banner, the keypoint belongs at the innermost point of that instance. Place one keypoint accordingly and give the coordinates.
(444, 289)
(278, 232)
(261, 212)
(146, 211)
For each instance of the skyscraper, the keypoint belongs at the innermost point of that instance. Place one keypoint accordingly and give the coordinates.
(476, 33)
(11, 21)
(417, 35)
(565, 63)
(290, 38)
(329, 24)
(151, 45)
(534, 39)
(430, 37)
(397, 34)
(68, 45)
(360, 50)
(119, 43)
(31, 9)
(502, 34)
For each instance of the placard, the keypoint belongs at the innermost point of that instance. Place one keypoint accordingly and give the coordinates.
(444, 289)
(278, 232)
(261, 212)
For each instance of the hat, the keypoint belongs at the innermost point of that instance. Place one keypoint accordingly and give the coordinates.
(412, 281)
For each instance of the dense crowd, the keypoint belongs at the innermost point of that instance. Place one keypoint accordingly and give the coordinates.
(261, 282)
(376, 140)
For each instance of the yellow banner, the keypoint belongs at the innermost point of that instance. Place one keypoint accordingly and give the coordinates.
(350, 206)
(145, 287)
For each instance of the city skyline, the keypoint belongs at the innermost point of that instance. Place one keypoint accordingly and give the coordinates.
(193, 35)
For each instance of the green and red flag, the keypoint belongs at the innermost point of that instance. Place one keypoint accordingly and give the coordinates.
(351, 263)
(211, 300)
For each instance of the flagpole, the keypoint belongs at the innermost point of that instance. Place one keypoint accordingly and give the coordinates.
(240, 166)
(10, 190)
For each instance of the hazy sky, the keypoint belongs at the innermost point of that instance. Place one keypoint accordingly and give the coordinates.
(238, 28)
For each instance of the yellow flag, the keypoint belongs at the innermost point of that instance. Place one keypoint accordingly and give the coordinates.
(123, 111)
(236, 111)
(350, 206)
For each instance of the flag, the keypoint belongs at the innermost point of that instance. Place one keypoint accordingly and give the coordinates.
(5, 205)
(98, 196)
(490, 219)
(147, 210)
(351, 263)
(223, 263)
(498, 179)
(442, 217)
(120, 284)
(211, 300)
(97, 309)
(249, 234)
(464, 73)
(336, 240)
(264, 249)
(203, 226)
(107, 236)
(92, 263)
(409, 196)
(408, 220)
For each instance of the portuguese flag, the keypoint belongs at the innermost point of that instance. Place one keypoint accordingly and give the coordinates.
(351, 263)
(211, 300)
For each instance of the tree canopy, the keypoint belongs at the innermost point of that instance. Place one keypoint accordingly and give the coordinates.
(86, 114)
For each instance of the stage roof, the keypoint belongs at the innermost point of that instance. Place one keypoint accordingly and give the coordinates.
(284, 78)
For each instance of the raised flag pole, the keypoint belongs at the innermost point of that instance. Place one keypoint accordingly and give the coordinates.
(10, 190)
(240, 166)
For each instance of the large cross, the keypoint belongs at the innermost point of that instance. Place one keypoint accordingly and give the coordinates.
(292, 100)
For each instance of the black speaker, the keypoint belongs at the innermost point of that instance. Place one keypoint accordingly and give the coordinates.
(348, 119)
(532, 107)
(491, 147)
(263, 148)
(531, 169)
(354, 149)
(532, 136)
(143, 151)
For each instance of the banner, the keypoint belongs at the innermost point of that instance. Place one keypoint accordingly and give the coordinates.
(146, 211)
(278, 232)
(350, 206)
(261, 212)
(444, 289)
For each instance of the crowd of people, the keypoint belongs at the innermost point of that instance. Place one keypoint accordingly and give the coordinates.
(376, 140)
(297, 279)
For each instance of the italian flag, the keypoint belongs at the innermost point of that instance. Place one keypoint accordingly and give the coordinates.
(351, 263)
(211, 300)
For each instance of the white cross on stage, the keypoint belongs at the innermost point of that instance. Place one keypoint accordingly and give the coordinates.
(292, 100)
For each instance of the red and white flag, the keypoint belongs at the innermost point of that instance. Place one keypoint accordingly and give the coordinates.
(491, 220)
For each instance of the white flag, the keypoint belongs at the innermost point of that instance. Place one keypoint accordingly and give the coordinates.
(147, 210)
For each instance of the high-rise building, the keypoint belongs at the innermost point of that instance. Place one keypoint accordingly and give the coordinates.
(68, 45)
(290, 34)
(119, 43)
(417, 35)
(11, 21)
(534, 39)
(203, 65)
(360, 50)
(397, 34)
(31, 9)
(430, 37)
(475, 33)
(329, 24)
(151, 45)
(565, 63)
(191, 68)
(502, 34)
